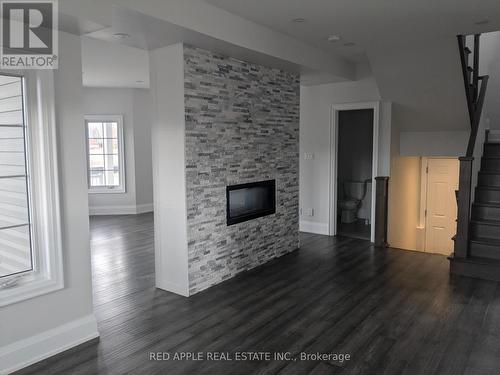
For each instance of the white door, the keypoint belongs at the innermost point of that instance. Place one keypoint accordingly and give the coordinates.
(441, 208)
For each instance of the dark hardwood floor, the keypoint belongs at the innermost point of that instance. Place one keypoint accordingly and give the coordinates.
(358, 229)
(393, 311)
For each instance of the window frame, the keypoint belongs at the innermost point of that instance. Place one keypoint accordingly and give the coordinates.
(43, 188)
(121, 189)
(7, 278)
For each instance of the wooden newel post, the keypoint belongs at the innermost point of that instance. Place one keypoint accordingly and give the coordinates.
(381, 210)
(464, 207)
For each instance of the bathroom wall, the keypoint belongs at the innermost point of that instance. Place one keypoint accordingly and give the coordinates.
(355, 150)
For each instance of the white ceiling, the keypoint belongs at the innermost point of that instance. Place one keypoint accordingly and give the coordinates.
(108, 61)
(410, 45)
(368, 24)
(149, 33)
(158, 23)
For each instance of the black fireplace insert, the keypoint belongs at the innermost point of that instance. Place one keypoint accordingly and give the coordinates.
(250, 201)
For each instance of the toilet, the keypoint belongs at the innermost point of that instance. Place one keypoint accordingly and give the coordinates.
(354, 193)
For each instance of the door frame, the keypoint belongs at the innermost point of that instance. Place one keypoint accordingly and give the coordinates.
(334, 138)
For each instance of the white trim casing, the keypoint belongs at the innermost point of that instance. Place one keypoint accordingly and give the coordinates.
(44, 192)
(332, 196)
(423, 192)
(26, 352)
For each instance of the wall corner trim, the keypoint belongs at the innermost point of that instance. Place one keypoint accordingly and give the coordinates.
(26, 352)
(313, 227)
(173, 288)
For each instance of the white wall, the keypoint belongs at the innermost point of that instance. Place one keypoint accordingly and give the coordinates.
(142, 111)
(424, 82)
(445, 143)
(134, 105)
(42, 326)
(101, 70)
(315, 121)
(489, 57)
(169, 175)
(99, 101)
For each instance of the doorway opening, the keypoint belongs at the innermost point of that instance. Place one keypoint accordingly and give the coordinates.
(354, 173)
(354, 158)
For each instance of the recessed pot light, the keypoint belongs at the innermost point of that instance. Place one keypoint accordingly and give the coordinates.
(334, 38)
(121, 35)
(299, 20)
(349, 44)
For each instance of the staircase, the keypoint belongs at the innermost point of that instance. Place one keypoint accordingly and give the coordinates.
(483, 256)
(477, 242)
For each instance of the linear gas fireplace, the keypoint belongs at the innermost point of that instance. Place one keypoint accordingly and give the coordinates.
(250, 201)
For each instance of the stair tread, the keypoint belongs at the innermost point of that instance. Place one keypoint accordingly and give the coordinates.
(485, 240)
(489, 172)
(487, 204)
(480, 260)
(487, 187)
(487, 222)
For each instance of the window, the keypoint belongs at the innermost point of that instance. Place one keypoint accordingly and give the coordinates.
(30, 222)
(15, 228)
(106, 173)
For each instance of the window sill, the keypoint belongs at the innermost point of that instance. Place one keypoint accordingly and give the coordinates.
(107, 191)
(29, 286)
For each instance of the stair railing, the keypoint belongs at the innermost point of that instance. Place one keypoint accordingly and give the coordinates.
(475, 92)
(477, 115)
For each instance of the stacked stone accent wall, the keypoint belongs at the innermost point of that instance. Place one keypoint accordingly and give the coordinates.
(242, 125)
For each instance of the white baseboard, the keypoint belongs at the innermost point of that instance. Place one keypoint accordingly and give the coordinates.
(312, 227)
(112, 210)
(23, 353)
(120, 210)
(143, 208)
